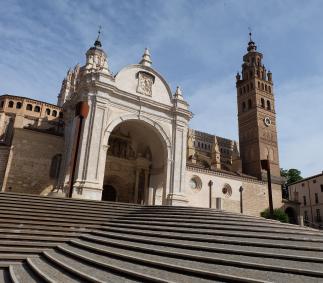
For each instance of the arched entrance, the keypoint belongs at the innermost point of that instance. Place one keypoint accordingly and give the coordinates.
(136, 163)
(291, 215)
(109, 193)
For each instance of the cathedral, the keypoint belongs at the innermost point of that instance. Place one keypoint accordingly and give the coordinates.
(126, 138)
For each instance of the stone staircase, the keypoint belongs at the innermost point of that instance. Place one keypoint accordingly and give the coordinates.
(45, 239)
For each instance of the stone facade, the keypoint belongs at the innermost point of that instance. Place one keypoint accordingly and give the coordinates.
(305, 200)
(125, 137)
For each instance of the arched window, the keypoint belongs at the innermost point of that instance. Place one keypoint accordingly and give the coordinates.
(244, 90)
(18, 105)
(251, 85)
(243, 106)
(250, 74)
(269, 89)
(10, 104)
(263, 103)
(258, 74)
(47, 111)
(60, 114)
(240, 91)
(54, 113)
(268, 105)
(265, 87)
(1, 104)
(37, 109)
(55, 166)
(249, 104)
(29, 107)
(262, 86)
(258, 84)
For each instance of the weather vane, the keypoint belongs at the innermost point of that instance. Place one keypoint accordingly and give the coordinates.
(99, 32)
(249, 28)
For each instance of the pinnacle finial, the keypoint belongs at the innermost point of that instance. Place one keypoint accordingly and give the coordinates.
(97, 43)
(251, 45)
(146, 59)
(178, 93)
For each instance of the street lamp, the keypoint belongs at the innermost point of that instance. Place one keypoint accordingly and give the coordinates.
(210, 192)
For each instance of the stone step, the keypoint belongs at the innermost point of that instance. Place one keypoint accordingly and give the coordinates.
(220, 226)
(50, 272)
(21, 273)
(65, 201)
(212, 247)
(193, 268)
(228, 233)
(152, 271)
(254, 261)
(87, 271)
(25, 243)
(4, 275)
(240, 241)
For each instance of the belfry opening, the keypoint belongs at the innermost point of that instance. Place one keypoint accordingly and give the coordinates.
(135, 170)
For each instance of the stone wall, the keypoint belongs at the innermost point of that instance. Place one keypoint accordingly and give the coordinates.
(4, 154)
(32, 154)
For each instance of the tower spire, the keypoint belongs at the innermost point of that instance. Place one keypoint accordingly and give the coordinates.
(251, 45)
(146, 59)
(97, 42)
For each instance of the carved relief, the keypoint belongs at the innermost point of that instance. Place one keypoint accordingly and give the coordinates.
(145, 83)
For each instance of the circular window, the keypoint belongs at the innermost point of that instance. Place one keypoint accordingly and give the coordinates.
(227, 190)
(195, 183)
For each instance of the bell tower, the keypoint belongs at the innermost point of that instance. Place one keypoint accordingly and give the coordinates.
(256, 115)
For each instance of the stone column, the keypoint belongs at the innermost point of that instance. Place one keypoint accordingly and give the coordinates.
(92, 153)
(146, 192)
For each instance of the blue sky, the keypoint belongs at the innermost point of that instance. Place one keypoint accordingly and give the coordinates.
(196, 44)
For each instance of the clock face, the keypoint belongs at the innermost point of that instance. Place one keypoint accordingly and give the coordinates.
(267, 121)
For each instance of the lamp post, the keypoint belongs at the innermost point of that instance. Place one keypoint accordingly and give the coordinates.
(241, 204)
(210, 193)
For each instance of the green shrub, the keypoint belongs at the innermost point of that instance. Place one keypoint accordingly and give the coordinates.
(279, 215)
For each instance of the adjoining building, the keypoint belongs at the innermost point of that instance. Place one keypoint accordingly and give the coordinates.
(305, 200)
(125, 138)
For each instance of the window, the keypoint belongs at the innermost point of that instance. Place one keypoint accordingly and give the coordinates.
(305, 215)
(29, 107)
(303, 184)
(1, 104)
(251, 85)
(248, 88)
(54, 113)
(268, 105)
(316, 198)
(55, 166)
(249, 104)
(262, 86)
(37, 109)
(10, 104)
(199, 144)
(321, 188)
(244, 90)
(18, 105)
(265, 87)
(263, 103)
(47, 111)
(258, 84)
(318, 215)
(240, 91)
(269, 89)
(304, 200)
(314, 181)
(243, 106)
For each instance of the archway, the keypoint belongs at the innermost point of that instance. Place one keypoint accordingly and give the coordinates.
(109, 193)
(291, 215)
(136, 163)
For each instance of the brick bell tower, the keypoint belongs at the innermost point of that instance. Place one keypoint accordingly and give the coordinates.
(256, 115)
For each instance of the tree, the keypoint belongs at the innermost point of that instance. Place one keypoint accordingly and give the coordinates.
(292, 175)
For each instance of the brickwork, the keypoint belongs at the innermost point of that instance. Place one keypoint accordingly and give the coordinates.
(32, 155)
